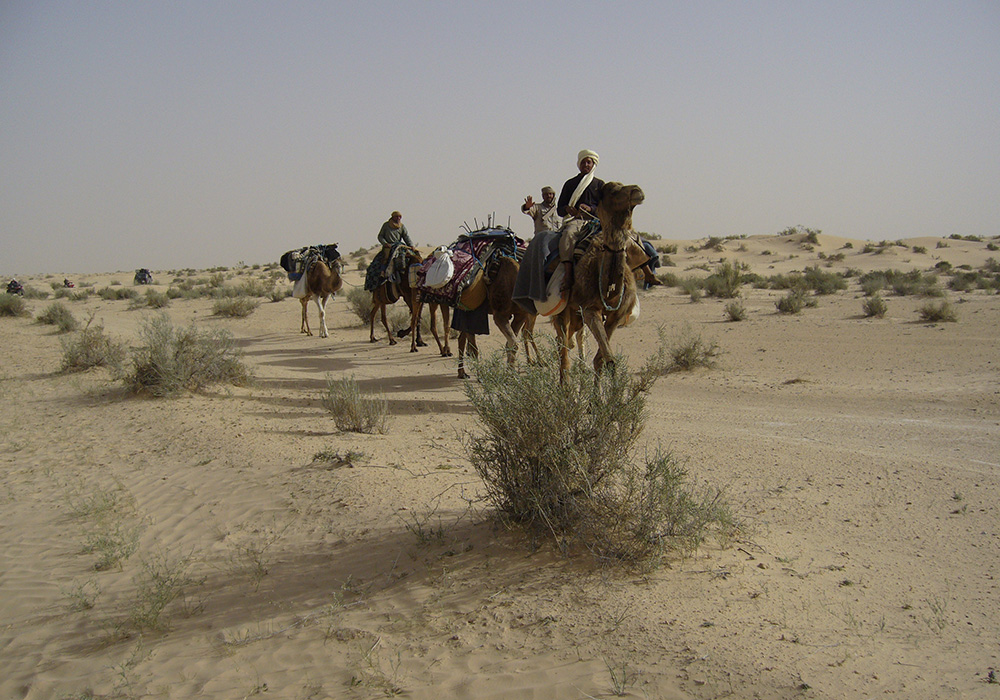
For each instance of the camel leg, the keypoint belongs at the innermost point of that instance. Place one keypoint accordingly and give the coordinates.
(415, 312)
(375, 308)
(385, 323)
(446, 321)
(511, 346)
(603, 337)
(562, 336)
(304, 328)
(321, 305)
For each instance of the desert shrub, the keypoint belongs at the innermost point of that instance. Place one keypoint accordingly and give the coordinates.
(174, 360)
(114, 294)
(823, 282)
(874, 306)
(791, 303)
(13, 305)
(736, 311)
(689, 351)
(693, 287)
(560, 460)
(352, 410)
(725, 282)
(793, 281)
(360, 302)
(235, 307)
(152, 299)
(933, 313)
(280, 294)
(915, 283)
(992, 246)
(669, 279)
(59, 316)
(32, 293)
(920, 249)
(92, 348)
(362, 265)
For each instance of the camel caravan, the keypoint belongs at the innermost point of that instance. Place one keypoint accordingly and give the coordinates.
(490, 271)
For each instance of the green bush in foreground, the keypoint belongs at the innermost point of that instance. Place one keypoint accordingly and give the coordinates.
(933, 313)
(174, 360)
(874, 306)
(560, 460)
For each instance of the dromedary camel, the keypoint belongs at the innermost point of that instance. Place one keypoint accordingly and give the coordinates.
(322, 281)
(384, 295)
(603, 290)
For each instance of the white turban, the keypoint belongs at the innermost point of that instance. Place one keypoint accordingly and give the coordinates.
(586, 180)
(586, 154)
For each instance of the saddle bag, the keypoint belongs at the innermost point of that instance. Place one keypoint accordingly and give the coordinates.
(555, 300)
(475, 294)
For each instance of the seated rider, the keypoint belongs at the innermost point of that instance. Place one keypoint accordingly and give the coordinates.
(392, 233)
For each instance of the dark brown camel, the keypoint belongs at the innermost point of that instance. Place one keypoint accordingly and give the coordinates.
(603, 290)
(322, 281)
(384, 295)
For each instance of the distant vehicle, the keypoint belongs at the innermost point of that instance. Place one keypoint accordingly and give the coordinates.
(15, 287)
(143, 276)
(67, 284)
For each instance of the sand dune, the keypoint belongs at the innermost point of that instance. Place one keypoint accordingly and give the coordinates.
(864, 452)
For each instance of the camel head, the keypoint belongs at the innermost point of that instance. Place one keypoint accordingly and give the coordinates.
(616, 205)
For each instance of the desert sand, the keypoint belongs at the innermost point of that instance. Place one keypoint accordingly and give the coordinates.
(864, 453)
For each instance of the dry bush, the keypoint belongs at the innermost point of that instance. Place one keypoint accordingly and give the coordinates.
(92, 348)
(360, 303)
(171, 361)
(59, 316)
(874, 306)
(934, 313)
(13, 305)
(235, 307)
(352, 410)
(560, 460)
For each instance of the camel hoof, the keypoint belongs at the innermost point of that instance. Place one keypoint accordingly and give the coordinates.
(373, 340)
(413, 349)
(421, 344)
(462, 374)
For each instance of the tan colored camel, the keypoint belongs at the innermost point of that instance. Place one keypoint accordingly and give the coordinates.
(322, 281)
(384, 296)
(603, 290)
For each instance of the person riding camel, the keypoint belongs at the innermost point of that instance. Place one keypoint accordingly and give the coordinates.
(392, 234)
(578, 205)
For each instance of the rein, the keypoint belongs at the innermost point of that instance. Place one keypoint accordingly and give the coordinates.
(600, 282)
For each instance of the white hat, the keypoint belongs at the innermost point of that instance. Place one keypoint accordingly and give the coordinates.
(586, 154)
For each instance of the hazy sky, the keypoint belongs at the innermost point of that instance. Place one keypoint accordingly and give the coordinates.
(197, 133)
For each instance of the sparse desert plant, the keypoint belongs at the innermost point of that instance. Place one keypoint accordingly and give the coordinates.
(352, 410)
(174, 360)
(111, 526)
(791, 303)
(235, 307)
(250, 547)
(736, 311)
(377, 674)
(935, 313)
(58, 315)
(689, 351)
(13, 305)
(161, 581)
(82, 594)
(360, 303)
(692, 286)
(725, 281)
(874, 306)
(362, 265)
(32, 293)
(559, 459)
(152, 299)
(823, 282)
(118, 292)
(92, 348)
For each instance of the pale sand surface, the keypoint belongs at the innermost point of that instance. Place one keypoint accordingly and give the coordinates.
(865, 453)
